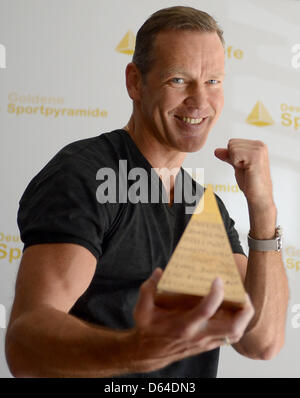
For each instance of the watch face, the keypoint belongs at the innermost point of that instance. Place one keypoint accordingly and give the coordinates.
(279, 238)
(279, 243)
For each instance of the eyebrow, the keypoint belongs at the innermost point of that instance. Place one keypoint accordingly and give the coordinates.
(177, 70)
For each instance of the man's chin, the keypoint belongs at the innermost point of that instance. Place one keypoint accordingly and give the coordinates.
(193, 144)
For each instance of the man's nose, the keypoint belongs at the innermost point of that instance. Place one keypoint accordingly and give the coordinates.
(197, 97)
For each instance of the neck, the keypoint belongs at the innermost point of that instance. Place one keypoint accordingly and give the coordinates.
(158, 155)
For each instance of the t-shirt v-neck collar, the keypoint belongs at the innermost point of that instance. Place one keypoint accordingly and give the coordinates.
(148, 166)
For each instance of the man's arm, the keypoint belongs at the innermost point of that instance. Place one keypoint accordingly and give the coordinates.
(43, 340)
(264, 275)
(267, 286)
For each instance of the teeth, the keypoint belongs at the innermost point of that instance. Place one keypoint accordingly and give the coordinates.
(191, 121)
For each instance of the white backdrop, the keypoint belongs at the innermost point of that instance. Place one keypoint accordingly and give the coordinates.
(72, 54)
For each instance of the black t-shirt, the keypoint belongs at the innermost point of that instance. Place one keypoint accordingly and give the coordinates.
(129, 240)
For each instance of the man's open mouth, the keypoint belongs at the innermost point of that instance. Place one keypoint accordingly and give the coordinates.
(190, 120)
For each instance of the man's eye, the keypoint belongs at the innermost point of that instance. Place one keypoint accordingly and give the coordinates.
(177, 80)
(213, 81)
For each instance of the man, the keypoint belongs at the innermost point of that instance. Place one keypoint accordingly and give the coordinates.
(85, 292)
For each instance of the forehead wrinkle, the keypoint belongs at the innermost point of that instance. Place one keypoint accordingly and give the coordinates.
(168, 58)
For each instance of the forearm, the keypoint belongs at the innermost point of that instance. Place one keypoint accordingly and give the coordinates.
(51, 343)
(267, 285)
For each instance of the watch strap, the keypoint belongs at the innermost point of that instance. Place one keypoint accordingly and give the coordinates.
(267, 245)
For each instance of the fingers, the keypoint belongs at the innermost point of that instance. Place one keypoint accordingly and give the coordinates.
(222, 154)
(242, 152)
(196, 318)
(233, 325)
(198, 329)
(241, 320)
(211, 302)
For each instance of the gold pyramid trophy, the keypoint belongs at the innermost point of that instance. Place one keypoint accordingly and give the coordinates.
(202, 254)
(127, 44)
(260, 116)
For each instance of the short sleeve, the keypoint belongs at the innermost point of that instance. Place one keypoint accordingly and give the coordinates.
(59, 206)
(232, 233)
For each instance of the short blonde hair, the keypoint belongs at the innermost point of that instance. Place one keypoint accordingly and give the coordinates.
(172, 18)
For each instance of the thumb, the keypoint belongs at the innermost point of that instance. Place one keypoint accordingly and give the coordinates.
(222, 154)
(210, 303)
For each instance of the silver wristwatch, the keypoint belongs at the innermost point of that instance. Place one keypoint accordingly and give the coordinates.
(267, 245)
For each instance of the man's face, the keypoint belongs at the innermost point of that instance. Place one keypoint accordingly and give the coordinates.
(182, 96)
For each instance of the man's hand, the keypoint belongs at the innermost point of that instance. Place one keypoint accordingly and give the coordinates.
(251, 163)
(167, 335)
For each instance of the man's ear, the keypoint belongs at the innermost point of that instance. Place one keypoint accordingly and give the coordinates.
(133, 81)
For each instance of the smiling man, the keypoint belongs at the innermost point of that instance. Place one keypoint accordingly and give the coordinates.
(181, 97)
(85, 292)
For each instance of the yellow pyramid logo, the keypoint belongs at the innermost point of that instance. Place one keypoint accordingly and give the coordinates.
(127, 44)
(259, 116)
(202, 254)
